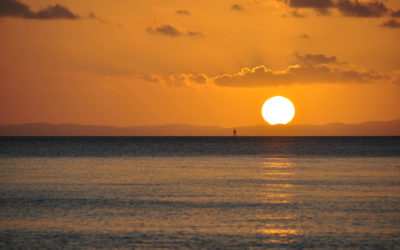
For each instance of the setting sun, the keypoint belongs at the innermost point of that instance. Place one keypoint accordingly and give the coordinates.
(278, 110)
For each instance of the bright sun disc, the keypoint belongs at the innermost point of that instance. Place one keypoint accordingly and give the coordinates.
(278, 110)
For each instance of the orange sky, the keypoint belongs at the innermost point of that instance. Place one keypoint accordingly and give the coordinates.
(197, 62)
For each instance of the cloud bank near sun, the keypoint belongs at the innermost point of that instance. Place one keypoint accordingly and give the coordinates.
(309, 69)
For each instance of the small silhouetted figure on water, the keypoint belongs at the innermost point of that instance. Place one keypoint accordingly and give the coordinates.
(234, 132)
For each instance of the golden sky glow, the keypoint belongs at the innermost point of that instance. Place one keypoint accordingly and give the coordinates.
(198, 62)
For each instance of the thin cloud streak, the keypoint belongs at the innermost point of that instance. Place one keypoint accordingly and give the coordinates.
(183, 12)
(171, 31)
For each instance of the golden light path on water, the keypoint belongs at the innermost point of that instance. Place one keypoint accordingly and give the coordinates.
(276, 229)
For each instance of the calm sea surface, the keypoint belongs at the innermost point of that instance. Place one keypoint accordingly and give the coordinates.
(200, 192)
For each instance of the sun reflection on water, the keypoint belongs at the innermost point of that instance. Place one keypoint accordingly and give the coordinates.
(278, 231)
(277, 189)
(274, 163)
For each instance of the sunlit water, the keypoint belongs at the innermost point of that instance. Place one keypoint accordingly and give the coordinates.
(246, 199)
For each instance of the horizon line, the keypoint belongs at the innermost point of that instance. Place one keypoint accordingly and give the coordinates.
(194, 125)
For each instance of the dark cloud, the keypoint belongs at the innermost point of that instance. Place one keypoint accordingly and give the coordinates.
(350, 8)
(316, 59)
(237, 7)
(317, 4)
(14, 8)
(53, 12)
(166, 30)
(392, 23)
(183, 12)
(322, 11)
(360, 9)
(169, 30)
(395, 13)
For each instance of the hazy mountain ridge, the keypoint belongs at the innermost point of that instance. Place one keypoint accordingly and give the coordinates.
(383, 128)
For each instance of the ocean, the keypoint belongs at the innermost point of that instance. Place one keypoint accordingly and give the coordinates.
(200, 192)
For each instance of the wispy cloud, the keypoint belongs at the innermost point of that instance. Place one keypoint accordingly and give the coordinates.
(391, 23)
(303, 36)
(169, 30)
(177, 79)
(182, 12)
(237, 7)
(315, 59)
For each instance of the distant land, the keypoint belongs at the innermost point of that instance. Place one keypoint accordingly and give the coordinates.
(382, 128)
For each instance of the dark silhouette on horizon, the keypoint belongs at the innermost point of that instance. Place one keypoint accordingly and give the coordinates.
(385, 128)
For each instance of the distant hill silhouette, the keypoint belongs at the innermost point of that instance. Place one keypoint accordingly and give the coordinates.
(384, 128)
